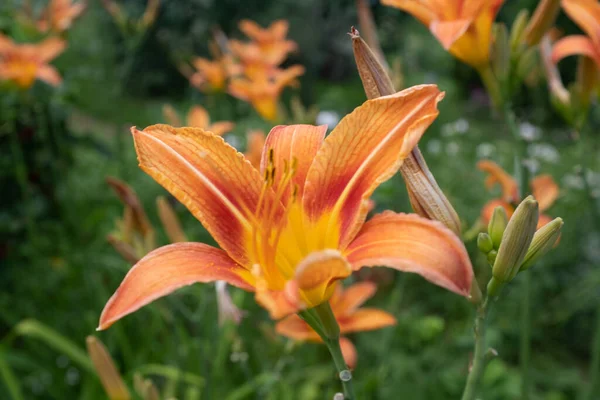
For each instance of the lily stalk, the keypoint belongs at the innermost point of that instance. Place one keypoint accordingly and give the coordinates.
(323, 321)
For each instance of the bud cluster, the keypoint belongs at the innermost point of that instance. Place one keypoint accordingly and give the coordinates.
(514, 245)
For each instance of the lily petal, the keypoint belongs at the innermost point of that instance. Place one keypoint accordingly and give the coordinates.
(490, 206)
(448, 32)
(167, 269)
(292, 144)
(352, 297)
(349, 352)
(208, 176)
(409, 243)
(197, 117)
(510, 188)
(365, 149)
(366, 319)
(220, 128)
(574, 45)
(545, 190)
(48, 74)
(586, 13)
(49, 49)
(418, 9)
(293, 327)
(316, 273)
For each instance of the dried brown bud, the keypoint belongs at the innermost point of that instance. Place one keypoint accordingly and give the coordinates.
(426, 197)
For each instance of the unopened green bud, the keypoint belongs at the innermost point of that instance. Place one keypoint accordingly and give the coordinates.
(491, 257)
(484, 243)
(543, 241)
(542, 20)
(497, 225)
(517, 30)
(494, 286)
(516, 240)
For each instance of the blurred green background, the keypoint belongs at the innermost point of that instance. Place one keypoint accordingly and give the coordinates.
(57, 269)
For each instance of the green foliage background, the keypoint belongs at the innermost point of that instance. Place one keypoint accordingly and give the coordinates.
(63, 277)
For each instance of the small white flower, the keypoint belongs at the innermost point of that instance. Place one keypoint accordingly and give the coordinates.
(452, 148)
(485, 150)
(529, 132)
(434, 146)
(545, 152)
(329, 118)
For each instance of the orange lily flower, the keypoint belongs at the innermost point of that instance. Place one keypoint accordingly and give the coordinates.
(197, 117)
(292, 230)
(345, 304)
(255, 62)
(543, 187)
(271, 41)
(586, 14)
(24, 63)
(263, 93)
(59, 15)
(464, 28)
(212, 75)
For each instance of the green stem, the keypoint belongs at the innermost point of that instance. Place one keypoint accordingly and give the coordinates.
(322, 320)
(340, 364)
(479, 358)
(588, 392)
(525, 345)
(492, 86)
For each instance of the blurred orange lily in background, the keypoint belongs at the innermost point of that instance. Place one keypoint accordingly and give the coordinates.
(24, 63)
(255, 142)
(211, 76)
(345, 305)
(271, 39)
(290, 231)
(197, 117)
(263, 92)
(59, 15)
(586, 13)
(464, 28)
(543, 187)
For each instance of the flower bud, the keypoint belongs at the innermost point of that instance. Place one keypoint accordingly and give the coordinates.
(484, 243)
(516, 240)
(426, 197)
(543, 241)
(373, 74)
(491, 257)
(497, 225)
(517, 30)
(105, 367)
(541, 21)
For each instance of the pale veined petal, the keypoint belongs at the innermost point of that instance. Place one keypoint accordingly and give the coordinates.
(410, 243)
(210, 178)
(167, 269)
